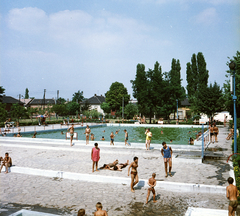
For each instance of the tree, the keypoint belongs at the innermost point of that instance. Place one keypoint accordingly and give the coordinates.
(105, 107)
(31, 111)
(61, 101)
(78, 96)
(17, 111)
(86, 106)
(26, 94)
(2, 90)
(114, 96)
(3, 112)
(130, 110)
(72, 108)
(60, 109)
(227, 92)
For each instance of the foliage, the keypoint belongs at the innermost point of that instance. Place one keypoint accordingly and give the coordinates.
(26, 94)
(227, 93)
(17, 111)
(105, 107)
(78, 96)
(3, 112)
(72, 108)
(157, 92)
(60, 109)
(115, 94)
(61, 101)
(94, 113)
(31, 111)
(86, 106)
(130, 110)
(2, 90)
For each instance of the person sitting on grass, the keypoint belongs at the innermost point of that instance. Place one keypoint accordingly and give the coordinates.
(99, 211)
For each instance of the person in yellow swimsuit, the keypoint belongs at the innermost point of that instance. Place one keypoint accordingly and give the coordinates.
(148, 138)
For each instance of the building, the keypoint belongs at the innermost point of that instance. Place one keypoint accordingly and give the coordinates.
(26, 102)
(41, 103)
(183, 107)
(9, 101)
(94, 103)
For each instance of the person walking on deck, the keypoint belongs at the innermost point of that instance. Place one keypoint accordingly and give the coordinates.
(166, 152)
(95, 156)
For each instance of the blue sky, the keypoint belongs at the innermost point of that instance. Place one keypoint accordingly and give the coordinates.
(71, 45)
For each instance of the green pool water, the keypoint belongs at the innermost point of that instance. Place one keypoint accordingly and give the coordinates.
(179, 135)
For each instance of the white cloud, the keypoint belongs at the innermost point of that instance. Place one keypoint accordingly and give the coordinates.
(30, 20)
(207, 17)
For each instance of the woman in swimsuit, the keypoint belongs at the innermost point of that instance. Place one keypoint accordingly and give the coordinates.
(215, 131)
(134, 174)
(87, 132)
(119, 167)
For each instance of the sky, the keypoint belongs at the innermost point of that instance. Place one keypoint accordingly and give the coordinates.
(71, 45)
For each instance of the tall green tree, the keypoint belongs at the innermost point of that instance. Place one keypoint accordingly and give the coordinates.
(61, 101)
(2, 90)
(17, 111)
(105, 107)
(78, 96)
(26, 93)
(130, 110)
(114, 96)
(3, 112)
(72, 108)
(228, 105)
(60, 109)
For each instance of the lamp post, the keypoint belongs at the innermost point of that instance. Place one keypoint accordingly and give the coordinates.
(177, 111)
(232, 67)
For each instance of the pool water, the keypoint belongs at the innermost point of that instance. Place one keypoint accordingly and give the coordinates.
(178, 135)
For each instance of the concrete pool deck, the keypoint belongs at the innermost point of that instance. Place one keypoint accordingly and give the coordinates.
(70, 190)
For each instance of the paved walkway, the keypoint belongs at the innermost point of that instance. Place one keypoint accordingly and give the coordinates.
(70, 195)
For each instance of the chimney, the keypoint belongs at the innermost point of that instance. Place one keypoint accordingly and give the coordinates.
(95, 95)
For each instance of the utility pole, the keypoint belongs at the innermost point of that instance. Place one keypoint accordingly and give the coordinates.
(123, 108)
(44, 98)
(57, 95)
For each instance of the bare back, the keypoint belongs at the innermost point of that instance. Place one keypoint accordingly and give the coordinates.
(100, 212)
(232, 192)
(152, 181)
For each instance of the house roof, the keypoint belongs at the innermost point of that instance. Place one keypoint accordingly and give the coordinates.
(41, 102)
(185, 102)
(26, 101)
(95, 100)
(10, 100)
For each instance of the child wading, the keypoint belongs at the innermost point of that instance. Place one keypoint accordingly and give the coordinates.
(167, 155)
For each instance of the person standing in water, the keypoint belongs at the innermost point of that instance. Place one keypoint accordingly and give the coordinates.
(134, 173)
(126, 137)
(166, 152)
(112, 138)
(95, 156)
(87, 132)
(71, 129)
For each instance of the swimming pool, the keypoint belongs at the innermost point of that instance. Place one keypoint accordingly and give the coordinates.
(178, 135)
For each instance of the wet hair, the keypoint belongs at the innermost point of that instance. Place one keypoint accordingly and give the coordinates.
(115, 168)
(135, 158)
(154, 175)
(230, 180)
(81, 212)
(102, 136)
(99, 205)
(164, 143)
(96, 144)
(6, 153)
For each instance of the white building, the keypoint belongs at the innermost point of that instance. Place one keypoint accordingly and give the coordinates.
(94, 103)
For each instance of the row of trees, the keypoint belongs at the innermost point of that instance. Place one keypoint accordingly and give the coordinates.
(157, 92)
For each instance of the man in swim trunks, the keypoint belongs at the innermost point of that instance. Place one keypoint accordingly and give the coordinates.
(215, 131)
(71, 129)
(152, 183)
(211, 132)
(112, 138)
(126, 137)
(166, 152)
(232, 194)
